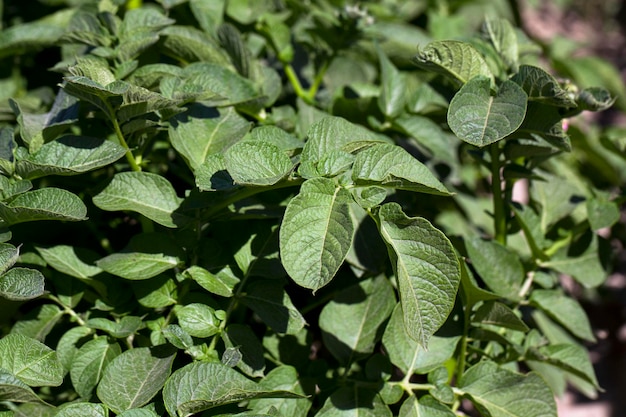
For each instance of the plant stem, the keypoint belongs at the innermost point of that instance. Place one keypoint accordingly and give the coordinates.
(295, 82)
(129, 155)
(499, 211)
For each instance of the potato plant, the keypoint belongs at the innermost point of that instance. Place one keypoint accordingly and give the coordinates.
(259, 208)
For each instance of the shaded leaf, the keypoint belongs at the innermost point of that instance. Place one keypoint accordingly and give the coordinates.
(565, 310)
(243, 339)
(14, 390)
(409, 355)
(363, 308)
(543, 87)
(89, 362)
(494, 313)
(352, 401)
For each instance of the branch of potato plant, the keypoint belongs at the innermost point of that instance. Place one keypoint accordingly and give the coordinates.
(499, 210)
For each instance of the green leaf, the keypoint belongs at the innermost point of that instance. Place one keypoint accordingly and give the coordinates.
(542, 87)
(67, 346)
(427, 406)
(316, 233)
(391, 166)
(584, 266)
(14, 390)
(200, 386)
(158, 292)
(10, 188)
(470, 290)
(493, 313)
(38, 322)
(83, 410)
(409, 355)
(268, 299)
(31, 361)
(392, 96)
(256, 163)
(354, 401)
(283, 378)
(496, 392)
(426, 268)
(569, 357)
(189, 44)
(89, 362)
(19, 284)
(75, 262)
(202, 131)
(43, 204)
(149, 194)
(601, 213)
(119, 329)
(594, 99)
(134, 377)
(457, 60)
(502, 36)
(219, 284)
(243, 339)
(334, 133)
(481, 119)
(557, 198)
(351, 322)
(142, 19)
(8, 256)
(565, 310)
(497, 265)
(138, 412)
(198, 320)
(136, 265)
(31, 36)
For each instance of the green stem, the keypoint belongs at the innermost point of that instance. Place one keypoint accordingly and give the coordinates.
(120, 137)
(295, 82)
(460, 367)
(67, 310)
(319, 77)
(499, 210)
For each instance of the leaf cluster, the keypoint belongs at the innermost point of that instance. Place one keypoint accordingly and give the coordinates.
(258, 208)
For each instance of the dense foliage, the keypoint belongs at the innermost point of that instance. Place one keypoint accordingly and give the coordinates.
(283, 208)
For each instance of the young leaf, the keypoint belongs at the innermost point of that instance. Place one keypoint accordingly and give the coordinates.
(158, 292)
(198, 320)
(409, 355)
(43, 204)
(220, 283)
(89, 362)
(481, 119)
(200, 386)
(498, 266)
(426, 268)
(256, 163)
(457, 60)
(504, 40)
(31, 361)
(564, 310)
(134, 377)
(543, 87)
(496, 391)
(19, 284)
(149, 194)
(316, 233)
(391, 166)
(268, 299)
(351, 322)
(391, 99)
